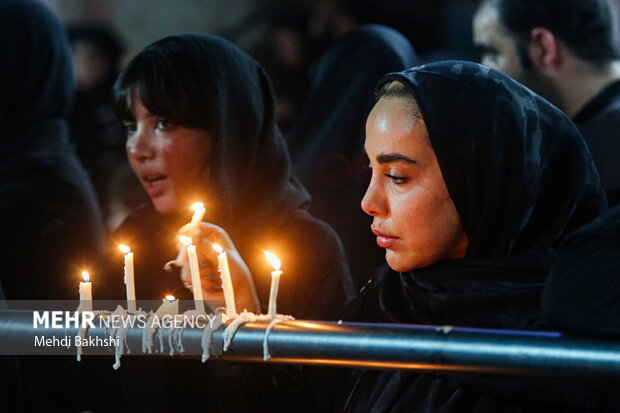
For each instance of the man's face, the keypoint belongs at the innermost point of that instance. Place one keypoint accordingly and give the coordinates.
(497, 49)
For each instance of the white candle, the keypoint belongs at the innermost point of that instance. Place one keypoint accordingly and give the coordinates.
(129, 278)
(169, 306)
(199, 213)
(86, 293)
(227, 286)
(194, 270)
(275, 283)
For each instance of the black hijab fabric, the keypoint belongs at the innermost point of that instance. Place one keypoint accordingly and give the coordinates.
(583, 292)
(521, 178)
(251, 172)
(255, 198)
(49, 219)
(50, 225)
(327, 140)
(251, 194)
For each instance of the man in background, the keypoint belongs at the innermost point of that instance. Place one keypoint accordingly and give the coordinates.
(564, 51)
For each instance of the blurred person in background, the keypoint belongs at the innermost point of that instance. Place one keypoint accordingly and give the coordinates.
(327, 141)
(565, 51)
(49, 220)
(95, 129)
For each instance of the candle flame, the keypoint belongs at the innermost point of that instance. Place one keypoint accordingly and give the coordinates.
(273, 260)
(170, 298)
(125, 249)
(218, 248)
(198, 206)
(85, 276)
(187, 241)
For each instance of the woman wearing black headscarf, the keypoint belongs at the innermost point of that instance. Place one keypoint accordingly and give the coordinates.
(475, 180)
(50, 225)
(201, 126)
(200, 116)
(327, 140)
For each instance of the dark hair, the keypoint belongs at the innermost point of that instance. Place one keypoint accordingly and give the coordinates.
(165, 79)
(584, 25)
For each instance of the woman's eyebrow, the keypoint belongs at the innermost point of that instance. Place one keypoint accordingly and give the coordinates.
(394, 157)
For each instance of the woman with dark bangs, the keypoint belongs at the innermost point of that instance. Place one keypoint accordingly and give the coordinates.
(475, 181)
(201, 126)
(200, 120)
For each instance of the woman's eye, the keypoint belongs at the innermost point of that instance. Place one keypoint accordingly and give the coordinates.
(130, 127)
(164, 124)
(397, 179)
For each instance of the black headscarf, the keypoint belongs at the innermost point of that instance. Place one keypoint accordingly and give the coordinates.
(327, 140)
(48, 208)
(250, 167)
(583, 292)
(49, 220)
(521, 178)
(36, 89)
(519, 173)
(251, 191)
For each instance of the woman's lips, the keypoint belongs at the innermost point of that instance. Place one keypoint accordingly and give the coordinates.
(154, 184)
(384, 240)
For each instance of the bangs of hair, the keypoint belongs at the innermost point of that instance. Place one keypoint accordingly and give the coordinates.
(165, 80)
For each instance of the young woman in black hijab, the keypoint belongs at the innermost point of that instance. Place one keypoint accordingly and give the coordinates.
(327, 140)
(200, 115)
(475, 179)
(200, 118)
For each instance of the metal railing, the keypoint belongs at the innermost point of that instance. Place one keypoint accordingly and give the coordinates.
(382, 346)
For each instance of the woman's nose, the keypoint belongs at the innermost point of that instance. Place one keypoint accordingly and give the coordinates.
(140, 145)
(373, 203)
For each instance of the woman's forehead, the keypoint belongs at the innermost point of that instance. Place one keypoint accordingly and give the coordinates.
(391, 126)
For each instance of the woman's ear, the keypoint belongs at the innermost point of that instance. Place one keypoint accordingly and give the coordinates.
(545, 50)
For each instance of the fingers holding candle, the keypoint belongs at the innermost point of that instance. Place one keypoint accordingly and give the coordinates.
(241, 282)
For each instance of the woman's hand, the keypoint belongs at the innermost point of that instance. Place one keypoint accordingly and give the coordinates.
(243, 284)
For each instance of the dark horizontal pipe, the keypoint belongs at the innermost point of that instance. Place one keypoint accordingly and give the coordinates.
(382, 346)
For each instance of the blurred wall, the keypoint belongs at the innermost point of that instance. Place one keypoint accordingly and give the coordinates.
(140, 22)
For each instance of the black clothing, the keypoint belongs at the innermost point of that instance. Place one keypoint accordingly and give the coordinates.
(327, 141)
(254, 197)
(251, 193)
(50, 224)
(315, 283)
(599, 122)
(521, 178)
(583, 293)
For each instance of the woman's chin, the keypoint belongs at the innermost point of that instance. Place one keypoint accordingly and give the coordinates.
(400, 263)
(396, 262)
(164, 206)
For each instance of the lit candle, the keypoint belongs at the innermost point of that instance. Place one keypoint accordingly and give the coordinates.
(227, 286)
(275, 282)
(129, 278)
(194, 270)
(86, 293)
(199, 213)
(169, 306)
